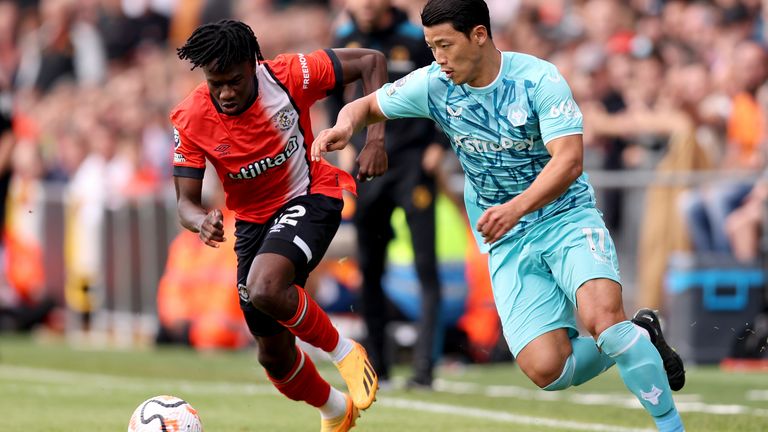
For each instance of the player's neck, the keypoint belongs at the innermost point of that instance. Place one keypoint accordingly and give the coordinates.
(490, 66)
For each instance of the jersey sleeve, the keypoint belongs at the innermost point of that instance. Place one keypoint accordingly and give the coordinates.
(559, 115)
(406, 97)
(188, 159)
(310, 77)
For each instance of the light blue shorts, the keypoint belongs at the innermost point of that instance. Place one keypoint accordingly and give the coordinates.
(535, 276)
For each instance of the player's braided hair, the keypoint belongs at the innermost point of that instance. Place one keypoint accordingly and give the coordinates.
(226, 42)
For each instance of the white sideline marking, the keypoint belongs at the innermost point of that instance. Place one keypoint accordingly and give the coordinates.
(757, 395)
(500, 416)
(684, 402)
(87, 379)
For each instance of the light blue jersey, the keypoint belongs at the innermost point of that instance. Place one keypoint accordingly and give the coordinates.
(499, 132)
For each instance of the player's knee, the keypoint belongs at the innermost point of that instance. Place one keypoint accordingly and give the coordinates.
(263, 292)
(544, 358)
(600, 317)
(556, 385)
(268, 282)
(545, 378)
(545, 372)
(601, 322)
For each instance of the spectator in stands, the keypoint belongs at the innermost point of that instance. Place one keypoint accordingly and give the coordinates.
(65, 44)
(9, 49)
(99, 183)
(662, 231)
(706, 209)
(24, 301)
(745, 225)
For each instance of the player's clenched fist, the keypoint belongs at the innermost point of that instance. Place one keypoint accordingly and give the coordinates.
(212, 228)
(497, 221)
(372, 161)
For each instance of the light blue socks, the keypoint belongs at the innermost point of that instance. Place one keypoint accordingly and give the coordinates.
(585, 363)
(642, 371)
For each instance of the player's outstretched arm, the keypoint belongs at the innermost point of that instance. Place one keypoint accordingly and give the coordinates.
(192, 215)
(369, 66)
(352, 118)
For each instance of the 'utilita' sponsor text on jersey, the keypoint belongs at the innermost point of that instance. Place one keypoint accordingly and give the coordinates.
(254, 169)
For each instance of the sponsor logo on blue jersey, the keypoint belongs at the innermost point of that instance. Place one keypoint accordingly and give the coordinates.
(474, 145)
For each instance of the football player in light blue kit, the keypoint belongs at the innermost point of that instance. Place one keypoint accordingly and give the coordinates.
(518, 135)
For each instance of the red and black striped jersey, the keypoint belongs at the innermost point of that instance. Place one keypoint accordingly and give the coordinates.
(262, 155)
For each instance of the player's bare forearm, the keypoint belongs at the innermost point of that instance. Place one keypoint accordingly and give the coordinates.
(361, 113)
(351, 119)
(374, 76)
(208, 225)
(190, 216)
(370, 67)
(189, 202)
(555, 178)
(559, 173)
(375, 135)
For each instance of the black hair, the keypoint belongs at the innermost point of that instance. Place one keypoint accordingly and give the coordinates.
(227, 42)
(464, 15)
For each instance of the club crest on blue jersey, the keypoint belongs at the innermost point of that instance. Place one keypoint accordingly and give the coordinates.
(397, 84)
(517, 115)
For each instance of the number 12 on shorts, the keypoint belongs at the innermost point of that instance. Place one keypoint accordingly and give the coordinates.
(288, 217)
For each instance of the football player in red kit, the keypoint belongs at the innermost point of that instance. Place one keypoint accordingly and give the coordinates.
(250, 119)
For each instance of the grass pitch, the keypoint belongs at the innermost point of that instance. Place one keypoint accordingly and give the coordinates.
(52, 387)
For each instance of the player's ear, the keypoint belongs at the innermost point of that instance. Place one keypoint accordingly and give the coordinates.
(479, 35)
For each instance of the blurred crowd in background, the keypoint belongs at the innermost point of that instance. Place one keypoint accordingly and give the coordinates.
(671, 86)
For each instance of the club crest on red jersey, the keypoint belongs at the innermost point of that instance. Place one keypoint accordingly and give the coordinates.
(284, 119)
